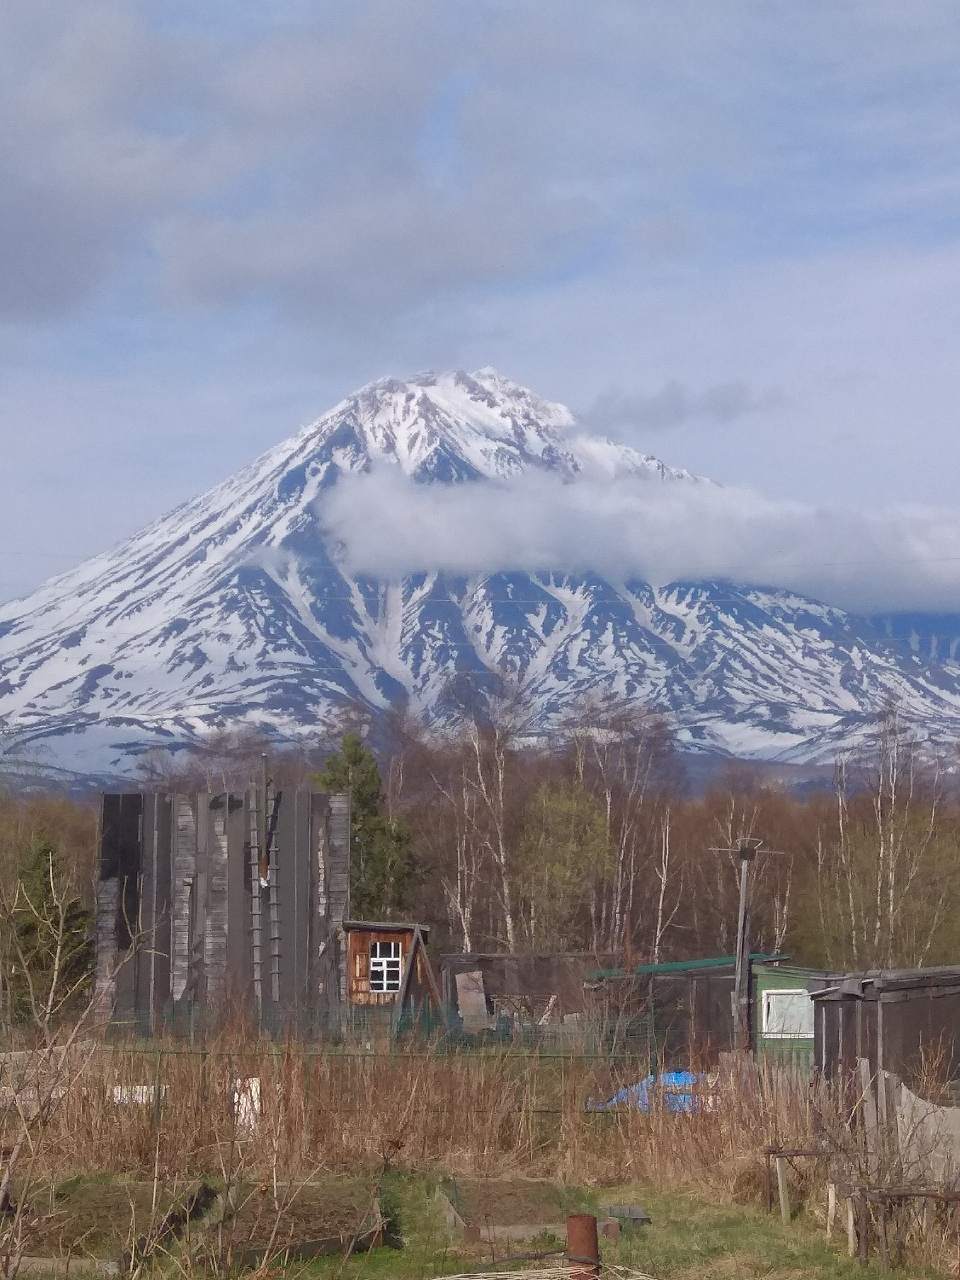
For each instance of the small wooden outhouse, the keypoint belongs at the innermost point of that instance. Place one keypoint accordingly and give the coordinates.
(377, 955)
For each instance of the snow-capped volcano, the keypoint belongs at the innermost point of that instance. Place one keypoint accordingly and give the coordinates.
(459, 426)
(234, 610)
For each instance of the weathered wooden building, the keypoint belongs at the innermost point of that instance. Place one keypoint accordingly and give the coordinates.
(378, 956)
(782, 1012)
(389, 985)
(534, 997)
(211, 906)
(683, 1009)
(906, 1021)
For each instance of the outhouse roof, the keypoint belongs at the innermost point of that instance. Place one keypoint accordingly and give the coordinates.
(385, 926)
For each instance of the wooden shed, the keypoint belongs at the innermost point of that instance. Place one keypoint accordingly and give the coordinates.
(682, 1008)
(783, 1012)
(376, 959)
(899, 1020)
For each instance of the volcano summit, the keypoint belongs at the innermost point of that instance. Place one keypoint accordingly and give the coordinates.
(239, 609)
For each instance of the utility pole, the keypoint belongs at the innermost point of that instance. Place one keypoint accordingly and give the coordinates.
(747, 850)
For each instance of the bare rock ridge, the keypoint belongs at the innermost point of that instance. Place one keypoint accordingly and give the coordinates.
(234, 610)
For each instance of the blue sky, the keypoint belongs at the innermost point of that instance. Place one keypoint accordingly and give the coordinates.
(728, 233)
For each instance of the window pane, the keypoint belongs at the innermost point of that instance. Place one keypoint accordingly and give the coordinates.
(385, 950)
(788, 1014)
(385, 967)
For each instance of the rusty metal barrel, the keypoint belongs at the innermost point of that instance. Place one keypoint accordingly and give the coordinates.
(583, 1246)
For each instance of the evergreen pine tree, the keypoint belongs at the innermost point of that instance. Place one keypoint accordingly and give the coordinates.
(383, 867)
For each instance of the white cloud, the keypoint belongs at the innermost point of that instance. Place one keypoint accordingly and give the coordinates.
(865, 561)
(674, 404)
(203, 201)
(222, 151)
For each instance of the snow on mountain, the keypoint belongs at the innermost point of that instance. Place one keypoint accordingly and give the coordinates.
(233, 611)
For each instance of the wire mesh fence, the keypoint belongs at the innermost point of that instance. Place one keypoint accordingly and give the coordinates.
(134, 1107)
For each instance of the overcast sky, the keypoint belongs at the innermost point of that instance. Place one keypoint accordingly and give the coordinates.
(725, 232)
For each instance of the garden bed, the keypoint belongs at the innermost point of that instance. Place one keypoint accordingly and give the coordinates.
(296, 1221)
(506, 1209)
(102, 1224)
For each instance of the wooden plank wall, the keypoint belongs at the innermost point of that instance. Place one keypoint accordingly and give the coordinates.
(358, 963)
(293, 879)
(239, 948)
(121, 856)
(338, 852)
(184, 862)
(105, 988)
(153, 971)
(338, 884)
(177, 870)
(215, 907)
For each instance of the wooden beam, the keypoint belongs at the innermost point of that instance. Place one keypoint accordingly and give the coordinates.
(783, 1189)
(869, 1111)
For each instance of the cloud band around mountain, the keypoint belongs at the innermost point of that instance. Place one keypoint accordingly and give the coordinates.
(897, 558)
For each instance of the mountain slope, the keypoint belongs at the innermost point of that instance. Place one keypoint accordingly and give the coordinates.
(234, 610)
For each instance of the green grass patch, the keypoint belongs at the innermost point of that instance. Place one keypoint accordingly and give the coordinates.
(422, 1245)
(689, 1239)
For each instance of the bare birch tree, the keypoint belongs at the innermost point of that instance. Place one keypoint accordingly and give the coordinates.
(887, 871)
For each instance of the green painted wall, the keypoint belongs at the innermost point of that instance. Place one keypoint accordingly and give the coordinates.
(797, 1050)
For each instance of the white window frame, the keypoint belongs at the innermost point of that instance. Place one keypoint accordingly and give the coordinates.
(385, 967)
(767, 1020)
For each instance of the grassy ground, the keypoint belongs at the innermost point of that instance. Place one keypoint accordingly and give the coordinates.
(688, 1240)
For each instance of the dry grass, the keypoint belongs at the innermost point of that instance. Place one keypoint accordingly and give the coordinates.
(485, 1114)
(165, 1114)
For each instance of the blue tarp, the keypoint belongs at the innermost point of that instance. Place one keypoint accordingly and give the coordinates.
(673, 1090)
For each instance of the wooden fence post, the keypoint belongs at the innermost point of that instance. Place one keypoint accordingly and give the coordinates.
(851, 1228)
(869, 1111)
(863, 1229)
(783, 1189)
